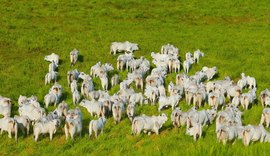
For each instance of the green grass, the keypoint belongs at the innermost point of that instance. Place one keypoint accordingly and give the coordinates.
(234, 35)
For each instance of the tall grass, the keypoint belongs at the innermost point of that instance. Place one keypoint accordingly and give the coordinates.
(234, 35)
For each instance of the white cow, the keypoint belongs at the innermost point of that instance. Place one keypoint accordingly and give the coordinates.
(265, 118)
(9, 125)
(203, 117)
(197, 55)
(5, 106)
(50, 77)
(93, 107)
(53, 57)
(115, 80)
(74, 56)
(123, 46)
(148, 124)
(210, 72)
(73, 123)
(151, 93)
(242, 83)
(227, 133)
(195, 131)
(255, 133)
(264, 94)
(231, 116)
(247, 99)
(131, 109)
(216, 99)
(52, 66)
(232, 91)
(25, 100)
(32, 111)
(23, 123)
(118, 110)
(72, 75)
(76, 97)
(236, 101)
(187, 65)
(97, 125)
(169, 49)
(62, 109)
(46, 127)
(51, 98)
(73, 86)
(57, 90)
(104, 82)
(136, 98)
(251, 81)
(168, 101)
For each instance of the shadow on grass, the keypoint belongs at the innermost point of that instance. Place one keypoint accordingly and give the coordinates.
(80, 58)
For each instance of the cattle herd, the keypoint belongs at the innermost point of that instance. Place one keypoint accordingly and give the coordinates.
(224, 98)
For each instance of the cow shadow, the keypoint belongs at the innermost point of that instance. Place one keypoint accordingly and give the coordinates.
(64, 96)
(80, 58)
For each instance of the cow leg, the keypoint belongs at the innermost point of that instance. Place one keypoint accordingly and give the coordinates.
(66, 132)
(9, 134)
(36, 138)
(96, 133)
(51, 136)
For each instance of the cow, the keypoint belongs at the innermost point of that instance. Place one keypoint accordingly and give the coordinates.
(148, 124)
(9, 125)
(97, 125)
(46, 127)
(74, 54)
(73, 123)
(51, 77)
(93, 107)
(23, 123)
(52, 57)
(123, 46)
(131, 109)
(5, 106)
(264, 94)
(195, 131)
(118, 110)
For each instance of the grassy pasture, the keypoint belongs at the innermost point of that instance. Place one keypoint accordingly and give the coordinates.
(234, 35)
